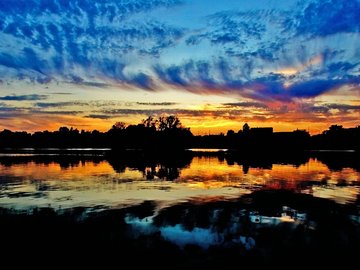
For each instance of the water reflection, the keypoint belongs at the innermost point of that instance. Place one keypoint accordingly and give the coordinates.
(83, 180)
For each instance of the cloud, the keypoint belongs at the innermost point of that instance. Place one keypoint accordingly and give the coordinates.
(344, 107)
(10, 112)
(178, 112)
(91, 103)
(313, 88)
(99, 116)
(262, 54)
(320, 110)
(258, 43)
(246, 104)
(9, 109)
(60, 104)
(142, 80)
(295, 112)
(212, 77)
(62, 93)
(230, 27)
(32, 111)
(24, 97)
(252, 35)
(156, 103)
(322, 18)
(81, 42)
(80, 81)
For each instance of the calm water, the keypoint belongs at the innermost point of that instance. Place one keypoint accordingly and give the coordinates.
(29, 180)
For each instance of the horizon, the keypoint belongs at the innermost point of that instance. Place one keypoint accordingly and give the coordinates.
(182, 126)
(88, 64)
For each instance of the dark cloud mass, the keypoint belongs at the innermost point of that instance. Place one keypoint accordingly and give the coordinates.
(264, 53)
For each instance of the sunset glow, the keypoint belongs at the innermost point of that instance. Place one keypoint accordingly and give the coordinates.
(88, 64)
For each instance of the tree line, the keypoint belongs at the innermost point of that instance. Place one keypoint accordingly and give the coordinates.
(161, 132)
(168, 133)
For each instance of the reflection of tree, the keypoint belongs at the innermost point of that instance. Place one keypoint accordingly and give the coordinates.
(245, 168)
(169, 165)
(64, 161)
(265, 161)
(338, 161)
(165, 166)
(162, 172)
(119, 168)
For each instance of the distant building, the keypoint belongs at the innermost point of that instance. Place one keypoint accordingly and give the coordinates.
(261, 131)
(292, 134)
(246, 128)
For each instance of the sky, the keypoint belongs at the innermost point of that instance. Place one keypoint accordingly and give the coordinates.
(215, 64)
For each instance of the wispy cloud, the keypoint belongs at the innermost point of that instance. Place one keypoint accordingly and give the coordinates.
(24, 97)
(62, 93)
(246, 104)
(81, 41)
(60, 104)
(37, 112)
(322, 18)
(7, 109)
(99, 116)
(284, 54)
(210, 77)
(325, 108)
(156, 103)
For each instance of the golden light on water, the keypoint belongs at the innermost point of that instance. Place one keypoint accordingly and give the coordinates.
(88, 182)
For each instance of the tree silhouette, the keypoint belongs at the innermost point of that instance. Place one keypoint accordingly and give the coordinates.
(246, 128)
(119, 126)
(166, 133)
(169, 123)
(150, 122)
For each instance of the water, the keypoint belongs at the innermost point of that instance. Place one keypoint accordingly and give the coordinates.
(29, 180)
(193, 208)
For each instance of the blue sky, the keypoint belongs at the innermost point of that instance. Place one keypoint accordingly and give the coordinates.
(89, 63)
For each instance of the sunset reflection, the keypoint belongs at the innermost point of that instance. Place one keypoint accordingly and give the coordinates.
(87, 182)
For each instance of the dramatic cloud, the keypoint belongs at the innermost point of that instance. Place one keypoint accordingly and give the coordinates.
(136, 44)
(277, 61)
(208, 77)
(322, 18)
(78, 41)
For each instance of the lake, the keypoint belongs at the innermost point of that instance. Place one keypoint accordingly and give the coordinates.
(66, 180)
(193, 209)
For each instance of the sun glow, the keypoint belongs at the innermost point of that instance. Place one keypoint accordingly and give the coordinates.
(293, 70)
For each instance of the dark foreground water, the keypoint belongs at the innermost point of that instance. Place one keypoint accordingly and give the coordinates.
(186, 209)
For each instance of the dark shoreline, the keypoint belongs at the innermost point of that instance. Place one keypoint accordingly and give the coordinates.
(172, 136)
